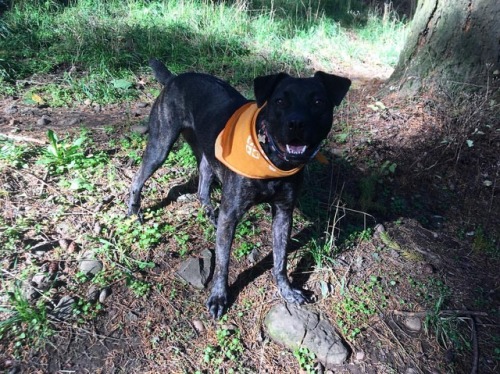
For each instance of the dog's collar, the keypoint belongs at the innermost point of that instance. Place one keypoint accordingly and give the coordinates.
(238, 147)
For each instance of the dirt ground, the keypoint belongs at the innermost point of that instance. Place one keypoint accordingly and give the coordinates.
(404, 170)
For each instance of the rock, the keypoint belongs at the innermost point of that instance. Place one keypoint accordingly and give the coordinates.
(360, 356)
(199, 326)
(196, 271)
(29, 292)
(141, 129)
(11, 109)
(64, 308)
(93, 293)
(413, 323)
(187, 197)
(89, 265)
(40, 281)
(105, 292)
(294, 326)
(142, 104)
(254, 256)
(44, 121)
(72, 121)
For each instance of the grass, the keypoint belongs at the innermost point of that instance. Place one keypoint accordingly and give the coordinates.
(104, 58)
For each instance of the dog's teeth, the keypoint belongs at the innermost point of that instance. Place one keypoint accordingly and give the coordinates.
(295, 150)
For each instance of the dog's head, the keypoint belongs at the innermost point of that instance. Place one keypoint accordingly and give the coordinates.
(298, 112)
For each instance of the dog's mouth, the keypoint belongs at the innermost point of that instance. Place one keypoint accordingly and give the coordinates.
(295, 148)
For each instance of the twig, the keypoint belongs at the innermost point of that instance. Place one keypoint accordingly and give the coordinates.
(18, 138)
(475, 349)
(442, 312)
(25, 172)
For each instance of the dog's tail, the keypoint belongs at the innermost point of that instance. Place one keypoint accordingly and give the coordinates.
(160, 71)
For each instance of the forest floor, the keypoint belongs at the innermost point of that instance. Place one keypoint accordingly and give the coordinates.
(402, 224)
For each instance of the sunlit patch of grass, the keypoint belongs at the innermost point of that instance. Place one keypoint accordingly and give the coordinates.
(97, 44)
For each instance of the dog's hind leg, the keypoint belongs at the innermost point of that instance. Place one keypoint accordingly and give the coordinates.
(155, 154)
(206, 178)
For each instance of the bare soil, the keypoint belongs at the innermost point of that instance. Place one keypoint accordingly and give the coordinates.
(438, 259)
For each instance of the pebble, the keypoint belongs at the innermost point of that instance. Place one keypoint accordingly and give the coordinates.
(72, 121)
(198, 325)
(104, 294)
(93, 293)
(141, 129)
(413, 323)
(360, 356)
(142, 105)
(11, 109)
(40, 281)
(44, 121)
(89, 265)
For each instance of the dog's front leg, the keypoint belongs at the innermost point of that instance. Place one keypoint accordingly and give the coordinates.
(226, 225)
(282, 223)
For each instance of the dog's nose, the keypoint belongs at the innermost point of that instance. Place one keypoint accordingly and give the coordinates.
(295, 124)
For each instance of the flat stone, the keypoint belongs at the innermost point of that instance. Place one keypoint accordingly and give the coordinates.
(89, 265)
(294, 326)
(44, 121)
(413, 323)
(196, 271)
(64, 308)
(93, 293)
(11, 109)
(141, 129)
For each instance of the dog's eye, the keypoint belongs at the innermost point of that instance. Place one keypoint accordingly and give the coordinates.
(318, 102)
(280, 102)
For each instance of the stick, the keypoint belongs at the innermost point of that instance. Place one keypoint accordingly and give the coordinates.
(442, 312)
(18, 138)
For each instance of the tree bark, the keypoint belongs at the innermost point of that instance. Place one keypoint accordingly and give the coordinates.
(454, 44)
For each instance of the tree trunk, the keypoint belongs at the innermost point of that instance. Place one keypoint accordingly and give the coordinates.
(453, 44)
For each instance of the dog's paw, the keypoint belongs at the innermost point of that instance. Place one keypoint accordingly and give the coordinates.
(138, 214)
(217, 304)
(294, 295)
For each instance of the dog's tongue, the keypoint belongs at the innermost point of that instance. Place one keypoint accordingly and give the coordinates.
(296, 149)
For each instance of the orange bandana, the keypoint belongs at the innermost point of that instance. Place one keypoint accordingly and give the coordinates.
(238, 147)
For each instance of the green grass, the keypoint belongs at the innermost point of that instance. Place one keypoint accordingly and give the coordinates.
(99, 50)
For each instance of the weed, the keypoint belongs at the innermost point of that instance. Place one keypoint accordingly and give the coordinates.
(229, 348)
(182, 240)
(306, 359)
(62, 155)
(138, 287)
(85, 310)
(16, 155)
(26, 323)
(358, 305)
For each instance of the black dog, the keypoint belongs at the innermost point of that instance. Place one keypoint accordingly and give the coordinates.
(294, 116)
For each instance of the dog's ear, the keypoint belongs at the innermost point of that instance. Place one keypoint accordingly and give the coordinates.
(264, 86)
(336, 86)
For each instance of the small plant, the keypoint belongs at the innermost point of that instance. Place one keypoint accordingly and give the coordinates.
(306, 359)
(26, 323)
(16, 155)
(358, 305)
(229, 348)
(61, 155)
(138, 287)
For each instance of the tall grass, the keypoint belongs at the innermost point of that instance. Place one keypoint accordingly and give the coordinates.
(96, 42)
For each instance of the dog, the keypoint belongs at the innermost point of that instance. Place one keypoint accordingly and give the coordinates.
(285, 126)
